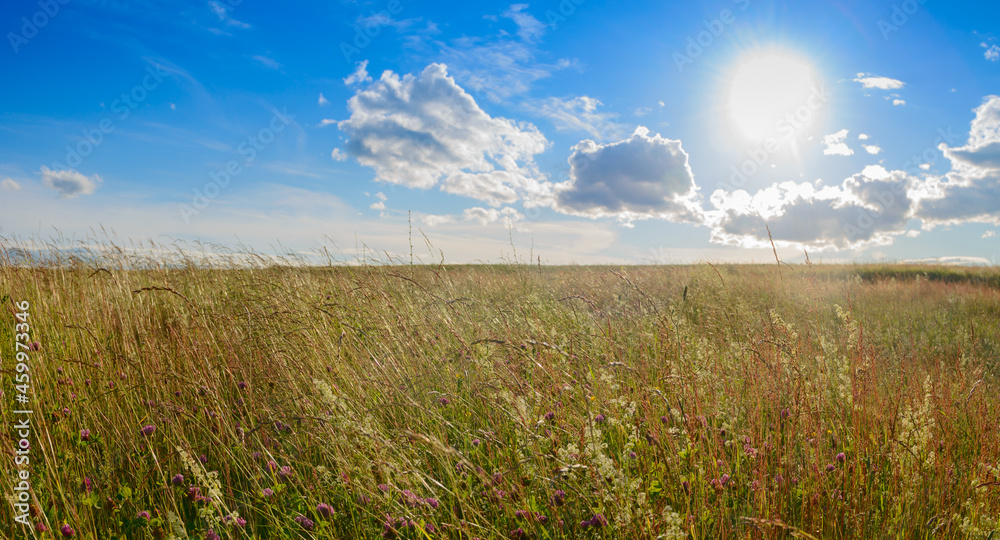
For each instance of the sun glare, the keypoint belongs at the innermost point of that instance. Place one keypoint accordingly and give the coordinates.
(767, 88)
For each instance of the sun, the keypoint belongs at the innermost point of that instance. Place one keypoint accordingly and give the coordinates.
(765, 89)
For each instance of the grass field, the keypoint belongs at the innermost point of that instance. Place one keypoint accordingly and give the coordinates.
(508, 401)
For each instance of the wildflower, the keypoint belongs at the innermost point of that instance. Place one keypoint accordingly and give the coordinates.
(305, 522)
(599, 418)
(784, 413)
(559, 497)
(429, 528)
(267, 492)
(285, 472)
(203, 459)
(831, 467)
(518, 534)
(432, 502)
(597, 521)
(687, 486)
(84, 434)
(240, 522)
(148, 430)
(177, 393)
(444, 401)
(550, 416)
(724, 478)
(210, 535)
(144, 515)
(242, 385)
(324, 510)
(664, 420)
(88, 485)
(841, 457)
(384, 488)
(40, 527)
(67, 531)
(36, 346)
(272, 466)
(476, 442)
(177, 480)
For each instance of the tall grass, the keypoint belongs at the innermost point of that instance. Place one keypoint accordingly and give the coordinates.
(506, 401)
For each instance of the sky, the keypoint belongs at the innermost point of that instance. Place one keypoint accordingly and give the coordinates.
(558, 132)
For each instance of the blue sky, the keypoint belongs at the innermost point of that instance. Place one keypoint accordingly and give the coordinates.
(577, 131)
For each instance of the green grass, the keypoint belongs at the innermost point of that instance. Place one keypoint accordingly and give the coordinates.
(686, 402)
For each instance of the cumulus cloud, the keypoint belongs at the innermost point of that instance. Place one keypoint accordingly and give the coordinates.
(861, 211)
(69, 183)
(9, 185)
(338, 155)
(359, 76)
(992, 52)
(322, 100)
(424, 130)
(636, 178)
(872, 149)
(835, 145)
(578, 114)
(868, 80)
(380, 203)
(898, 102)
(485, 216)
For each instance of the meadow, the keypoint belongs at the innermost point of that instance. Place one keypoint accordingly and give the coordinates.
(510, 401)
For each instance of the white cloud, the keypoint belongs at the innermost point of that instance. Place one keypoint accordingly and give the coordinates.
(323, 100)
(424, 130)
(359, 76)
(868, 80)
(835, 145)
(860, 211)
(485, 216)
(988, 234)
(529, 28)
(69, 183)
(992, 52)
(872, 149)
(9, 185)
(899, 102)
(267, 62)
(862, 136)
(636, 178)
(504, 64)
(338, 155)
(221, 12)
(578, 114)
(432, 220)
